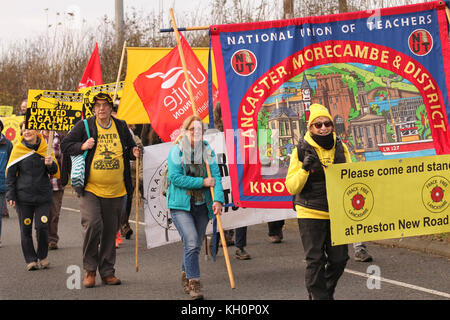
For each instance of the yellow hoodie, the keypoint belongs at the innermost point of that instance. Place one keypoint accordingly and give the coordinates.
(296, 177)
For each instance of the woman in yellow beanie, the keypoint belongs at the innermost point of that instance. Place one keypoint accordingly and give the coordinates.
(306, 181)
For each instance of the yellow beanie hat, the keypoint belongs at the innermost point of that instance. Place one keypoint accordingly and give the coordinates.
(317, 110)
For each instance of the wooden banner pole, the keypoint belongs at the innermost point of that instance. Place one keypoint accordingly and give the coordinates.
(194, 110)
(136, 196)
(120, 70)
(50, 143)
(185, 29)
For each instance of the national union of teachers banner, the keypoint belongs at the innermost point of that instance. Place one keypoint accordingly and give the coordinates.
(382, 74)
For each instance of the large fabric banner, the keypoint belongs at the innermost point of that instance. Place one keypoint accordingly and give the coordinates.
(384, 75)
(389, 199)
(140, 60)
(165, 94)
(159, 229)
(53, 110)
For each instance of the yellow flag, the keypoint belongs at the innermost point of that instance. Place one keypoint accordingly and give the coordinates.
(386, 199)
(140, 60)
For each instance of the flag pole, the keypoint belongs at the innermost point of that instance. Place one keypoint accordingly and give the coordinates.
(50, 143)
(194, 110)
(447, 12)
(120, 70)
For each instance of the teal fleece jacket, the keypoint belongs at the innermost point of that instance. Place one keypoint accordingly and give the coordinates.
(179, 182)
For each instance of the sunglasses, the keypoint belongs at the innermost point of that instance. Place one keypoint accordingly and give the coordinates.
(319, 125)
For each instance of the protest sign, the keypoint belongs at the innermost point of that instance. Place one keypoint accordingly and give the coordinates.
(159, 228)
(53, 110)
(388, 198)
(11, 127)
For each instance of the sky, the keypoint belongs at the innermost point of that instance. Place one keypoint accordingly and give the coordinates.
(27, 19)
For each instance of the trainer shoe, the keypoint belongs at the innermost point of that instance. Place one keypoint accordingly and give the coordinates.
(44, 263)
(275, 239)
(241, 254)
(32, 266)
(361, 255)
(52, 246)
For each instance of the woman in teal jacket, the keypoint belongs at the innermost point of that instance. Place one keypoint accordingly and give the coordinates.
(189, 197)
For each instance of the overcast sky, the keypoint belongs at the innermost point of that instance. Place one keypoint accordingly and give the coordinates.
(20, 19)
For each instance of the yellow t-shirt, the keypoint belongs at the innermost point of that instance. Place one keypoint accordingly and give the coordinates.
(106, 175)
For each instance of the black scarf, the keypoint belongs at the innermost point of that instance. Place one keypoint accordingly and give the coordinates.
(326, 142)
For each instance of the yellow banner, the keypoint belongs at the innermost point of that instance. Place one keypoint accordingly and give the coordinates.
(140, 60)
(90, 92)
(53, 110)
(388, 198)
(11, 127)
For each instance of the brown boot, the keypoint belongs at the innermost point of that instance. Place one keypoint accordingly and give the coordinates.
(111, 280)
(89, 279)
(194, 290)
(185, 282)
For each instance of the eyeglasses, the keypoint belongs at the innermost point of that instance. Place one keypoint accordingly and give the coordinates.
(192, 130)
(102, 105)
(319, 125)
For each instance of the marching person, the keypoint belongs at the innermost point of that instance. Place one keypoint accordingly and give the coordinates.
(306, 181)
(5, 152)
(189, 197)
(107, 181)
(30, 192)
(58, 192)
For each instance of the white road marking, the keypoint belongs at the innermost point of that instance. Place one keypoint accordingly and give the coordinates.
(401, 284)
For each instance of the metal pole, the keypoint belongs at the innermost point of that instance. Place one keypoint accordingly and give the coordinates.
(119, 23)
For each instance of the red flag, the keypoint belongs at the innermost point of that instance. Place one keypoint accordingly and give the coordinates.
(164, 93)
(92, 75)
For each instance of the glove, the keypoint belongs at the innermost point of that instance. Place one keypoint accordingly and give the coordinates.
(309, 161)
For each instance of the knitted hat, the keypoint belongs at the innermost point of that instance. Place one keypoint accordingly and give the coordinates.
(317, 110)
(102, 96)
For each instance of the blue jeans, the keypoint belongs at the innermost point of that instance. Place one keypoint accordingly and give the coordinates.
(192, 227)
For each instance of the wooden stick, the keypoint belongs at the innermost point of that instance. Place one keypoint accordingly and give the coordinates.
(183, 62)
(194, 109)
(120, 70)
(50, 143)
(447, 12)
(185, 29)
(137, 211)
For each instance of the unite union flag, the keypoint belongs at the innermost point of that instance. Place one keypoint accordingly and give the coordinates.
(164, 92)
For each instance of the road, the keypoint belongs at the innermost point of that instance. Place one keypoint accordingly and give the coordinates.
(275, 272)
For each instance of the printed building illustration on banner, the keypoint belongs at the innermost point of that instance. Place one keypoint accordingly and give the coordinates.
(376, 113)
